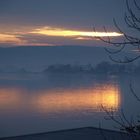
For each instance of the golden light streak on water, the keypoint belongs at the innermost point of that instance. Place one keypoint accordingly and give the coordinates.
(107, 96)
(61, 100)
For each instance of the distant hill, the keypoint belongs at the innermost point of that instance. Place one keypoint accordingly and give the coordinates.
(39, 58)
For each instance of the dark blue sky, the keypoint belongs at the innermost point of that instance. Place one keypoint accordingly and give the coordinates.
(19, 18)
(68, 13)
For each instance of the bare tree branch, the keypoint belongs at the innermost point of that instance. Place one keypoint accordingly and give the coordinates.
(133, 92)
(132, 20)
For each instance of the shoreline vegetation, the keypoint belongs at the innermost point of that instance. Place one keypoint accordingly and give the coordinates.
(104, 68)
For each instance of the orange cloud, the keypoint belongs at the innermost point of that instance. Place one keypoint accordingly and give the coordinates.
(83, 38)
(11, 39)
(49, 31)
(21, 39)
(37, 36)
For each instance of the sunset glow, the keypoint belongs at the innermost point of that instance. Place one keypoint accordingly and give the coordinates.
(32, 36)
(53, 23)
(10, 39)
(49, 31)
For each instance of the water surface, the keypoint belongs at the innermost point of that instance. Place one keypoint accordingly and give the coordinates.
(31, 103)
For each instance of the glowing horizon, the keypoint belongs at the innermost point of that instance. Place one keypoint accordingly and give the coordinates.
(49, 31)
(10, 39)
(38, 36)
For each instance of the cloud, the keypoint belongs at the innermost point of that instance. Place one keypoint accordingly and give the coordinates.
(49, 36)
(11, 39)
(20, 38)
(83, 38)
(50, 31)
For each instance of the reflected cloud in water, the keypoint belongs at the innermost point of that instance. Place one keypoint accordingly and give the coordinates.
(10, 98)
(61, 100)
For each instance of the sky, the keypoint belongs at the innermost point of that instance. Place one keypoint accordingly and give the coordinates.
(58, 22)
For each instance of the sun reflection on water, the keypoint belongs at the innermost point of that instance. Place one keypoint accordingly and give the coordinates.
(107, 96)
(61, 100)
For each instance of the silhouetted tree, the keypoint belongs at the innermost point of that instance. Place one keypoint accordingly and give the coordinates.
(132, 20)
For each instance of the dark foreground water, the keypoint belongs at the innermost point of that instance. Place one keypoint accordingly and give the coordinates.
(31, 103)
